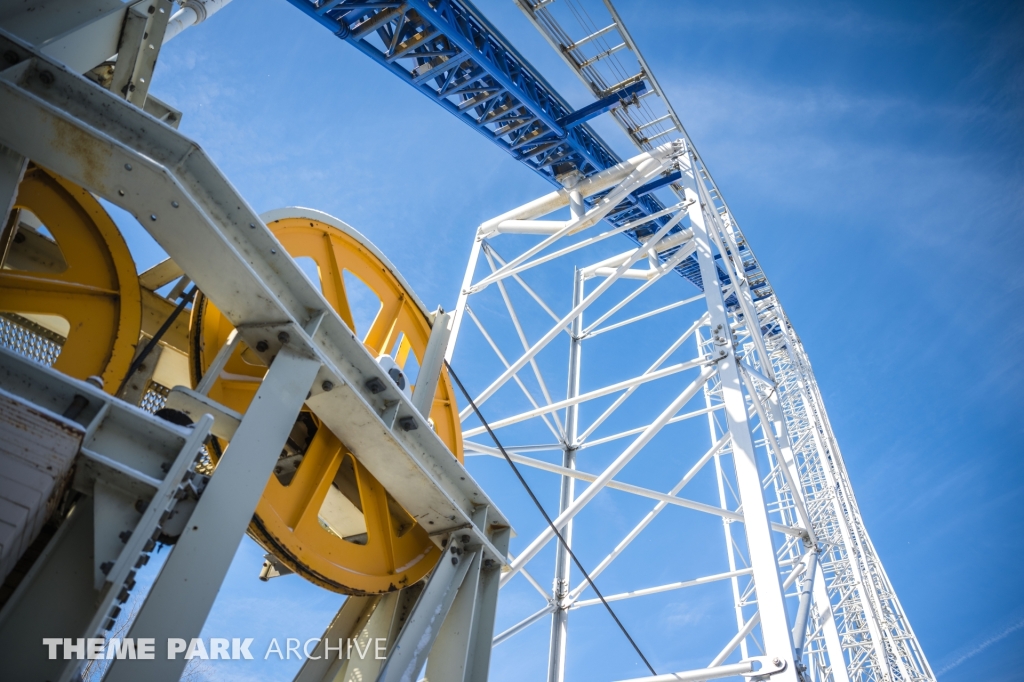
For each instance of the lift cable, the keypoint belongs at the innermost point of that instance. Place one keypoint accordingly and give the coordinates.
(547, 518)
(140, 358)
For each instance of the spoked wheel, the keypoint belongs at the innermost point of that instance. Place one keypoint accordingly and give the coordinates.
(78, 281)
(322, 513)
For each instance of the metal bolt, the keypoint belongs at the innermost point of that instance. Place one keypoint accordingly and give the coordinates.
(127, 166)
(465, 539)
(283, 337)
(124, 535)
(252, 225)
(262, 346)
(174, 204)
(106, 566)
(120, 192)
(455, 561)
(327, 385)
(46, 77)
(777, 661)
(152, 216)
(273, 251)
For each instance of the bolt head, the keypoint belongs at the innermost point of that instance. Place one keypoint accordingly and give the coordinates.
(262, 346)
(327, 385)
(283, 337)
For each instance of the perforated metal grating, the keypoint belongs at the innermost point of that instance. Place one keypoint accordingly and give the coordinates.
(27, 338)
(155, 397)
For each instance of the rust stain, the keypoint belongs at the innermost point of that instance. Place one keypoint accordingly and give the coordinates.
(78, 144)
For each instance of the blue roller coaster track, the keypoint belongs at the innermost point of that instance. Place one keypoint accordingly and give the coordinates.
(451, 53)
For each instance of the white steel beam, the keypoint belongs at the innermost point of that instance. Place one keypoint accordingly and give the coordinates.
(589, 395)
(650, 516)
(567, 492)
(663, 588)
(606, 476)
(641, 252)
(771, 604)
(633, 489)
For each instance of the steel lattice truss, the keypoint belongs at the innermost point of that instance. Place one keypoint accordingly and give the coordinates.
(449, 52)
(740, 366)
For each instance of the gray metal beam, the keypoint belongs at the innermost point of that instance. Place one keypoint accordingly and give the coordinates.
(132, 469)
(195, 214)
(421, 629)
(181, 597)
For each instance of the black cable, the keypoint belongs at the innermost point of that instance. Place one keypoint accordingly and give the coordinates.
(156, 338)
(548, 518)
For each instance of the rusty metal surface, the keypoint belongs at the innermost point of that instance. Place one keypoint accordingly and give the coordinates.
(37, 448)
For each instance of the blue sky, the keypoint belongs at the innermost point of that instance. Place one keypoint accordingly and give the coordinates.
(872, 152)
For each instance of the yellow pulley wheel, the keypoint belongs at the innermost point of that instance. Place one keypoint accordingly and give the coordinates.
(322, 513)
(79, 281)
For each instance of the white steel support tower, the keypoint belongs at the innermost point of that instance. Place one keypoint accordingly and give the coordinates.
(805, 588)
(691, 398)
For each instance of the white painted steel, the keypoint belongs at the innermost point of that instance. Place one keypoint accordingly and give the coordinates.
(563, 567)
(873, 638)
(766, 434)
(192, 13)
(764, 666)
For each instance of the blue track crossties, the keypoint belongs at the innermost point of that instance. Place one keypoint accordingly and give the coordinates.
(448, 51)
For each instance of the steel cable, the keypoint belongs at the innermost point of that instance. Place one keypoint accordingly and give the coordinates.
(547, 518)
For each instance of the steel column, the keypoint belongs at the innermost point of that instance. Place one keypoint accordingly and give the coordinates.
(563, 565)
(770, 601)
(178, 603)
(421, 629)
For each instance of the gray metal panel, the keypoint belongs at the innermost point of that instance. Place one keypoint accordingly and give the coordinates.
(36, 451)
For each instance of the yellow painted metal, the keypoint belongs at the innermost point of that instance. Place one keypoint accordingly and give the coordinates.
(97, 292)
(294, 518)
